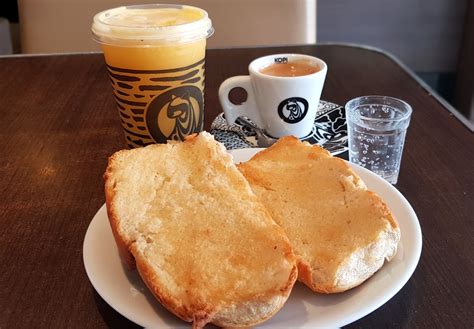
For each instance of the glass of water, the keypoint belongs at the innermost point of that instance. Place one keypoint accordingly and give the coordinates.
(377, 127)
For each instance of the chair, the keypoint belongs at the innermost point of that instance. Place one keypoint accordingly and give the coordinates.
(51, 26)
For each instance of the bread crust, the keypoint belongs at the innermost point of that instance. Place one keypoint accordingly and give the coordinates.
(122, 245)
(192, 305)
(340, 231)
(229, 316)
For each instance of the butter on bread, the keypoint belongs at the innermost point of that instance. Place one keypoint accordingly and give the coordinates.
(201, 240)
(341, 232)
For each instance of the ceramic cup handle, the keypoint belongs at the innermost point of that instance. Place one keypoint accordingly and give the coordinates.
(248, 108)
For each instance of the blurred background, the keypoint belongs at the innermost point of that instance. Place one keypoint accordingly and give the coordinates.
(433, 38)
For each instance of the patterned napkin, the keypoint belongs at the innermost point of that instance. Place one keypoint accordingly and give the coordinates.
(329, 130)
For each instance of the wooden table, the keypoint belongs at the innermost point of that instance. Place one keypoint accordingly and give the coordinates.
(59, 124)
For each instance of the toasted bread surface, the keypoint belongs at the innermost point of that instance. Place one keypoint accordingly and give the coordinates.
(202, 241)
(340, 231)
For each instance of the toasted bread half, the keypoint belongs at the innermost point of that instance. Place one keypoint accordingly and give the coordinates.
(201, 240)
(340, 231)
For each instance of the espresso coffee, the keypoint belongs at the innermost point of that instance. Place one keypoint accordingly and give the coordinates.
(290, 69)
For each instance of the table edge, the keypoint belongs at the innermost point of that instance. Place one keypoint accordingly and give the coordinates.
(431, 92)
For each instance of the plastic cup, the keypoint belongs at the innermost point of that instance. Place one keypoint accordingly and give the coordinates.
(377, 127)
(155, 59)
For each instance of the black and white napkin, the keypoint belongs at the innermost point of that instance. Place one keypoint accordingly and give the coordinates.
(329, 130)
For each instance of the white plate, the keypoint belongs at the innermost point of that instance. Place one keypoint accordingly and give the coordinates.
(125, 292)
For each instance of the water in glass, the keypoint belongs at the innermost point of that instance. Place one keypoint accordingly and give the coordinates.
(377, 150)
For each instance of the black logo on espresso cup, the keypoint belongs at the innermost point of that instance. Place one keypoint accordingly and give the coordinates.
(293, 109)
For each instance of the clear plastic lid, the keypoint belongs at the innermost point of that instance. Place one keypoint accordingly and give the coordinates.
(150, 24)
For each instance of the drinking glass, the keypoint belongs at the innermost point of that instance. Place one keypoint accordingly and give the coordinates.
(155, 59)
(377, 127)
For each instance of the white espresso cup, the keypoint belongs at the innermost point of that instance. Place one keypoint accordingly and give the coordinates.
(283, 93)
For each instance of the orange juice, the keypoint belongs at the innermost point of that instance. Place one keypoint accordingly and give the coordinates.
(155, 59)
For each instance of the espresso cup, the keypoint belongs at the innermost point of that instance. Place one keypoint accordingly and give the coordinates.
(283, 93)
